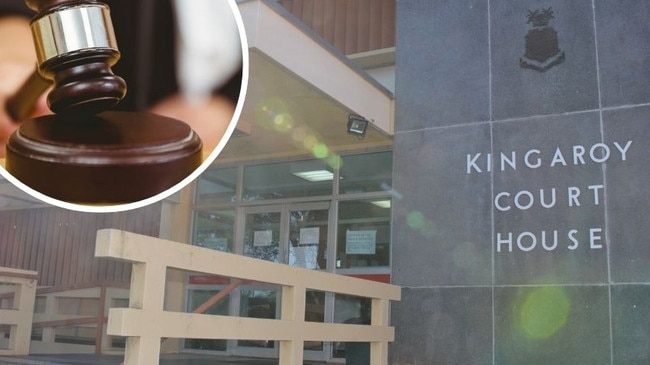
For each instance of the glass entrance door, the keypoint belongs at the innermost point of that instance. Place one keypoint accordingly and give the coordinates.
(308, 235)
(294, 234)
(263, 230)
(308, 248)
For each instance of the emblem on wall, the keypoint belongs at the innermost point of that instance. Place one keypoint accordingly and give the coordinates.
(542, 49)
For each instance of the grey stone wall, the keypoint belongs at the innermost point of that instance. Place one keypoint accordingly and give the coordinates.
(522, 166)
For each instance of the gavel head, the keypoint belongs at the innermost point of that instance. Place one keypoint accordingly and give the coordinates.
(76, 48)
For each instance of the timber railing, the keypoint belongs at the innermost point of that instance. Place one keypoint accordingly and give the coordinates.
(146, 322)
(18, 290)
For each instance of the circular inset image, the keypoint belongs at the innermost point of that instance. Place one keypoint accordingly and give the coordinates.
(137, 106)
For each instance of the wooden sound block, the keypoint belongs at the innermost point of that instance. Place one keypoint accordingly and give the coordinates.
(110, 158)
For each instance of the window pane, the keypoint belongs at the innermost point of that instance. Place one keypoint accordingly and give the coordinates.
(314, 312)
(351, 310)
(363, 234)
(366, 173)
(282, 180)
(196, 299)
(258, 303)
(308, 238)
(262, 236)
(217, 186)
(214, 229)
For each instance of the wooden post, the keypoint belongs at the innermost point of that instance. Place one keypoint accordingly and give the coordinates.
(379, 317)
(293, 309)
(20, 317)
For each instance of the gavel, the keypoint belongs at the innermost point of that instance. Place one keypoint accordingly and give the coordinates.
(86, 153)
(75, 50)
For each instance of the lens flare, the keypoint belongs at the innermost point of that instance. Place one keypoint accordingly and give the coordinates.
(310, 142)
(320, 150)
(334, 161)
(544, 312)
(298, 134)
(415, 220)
(273, 113)
(283, 122)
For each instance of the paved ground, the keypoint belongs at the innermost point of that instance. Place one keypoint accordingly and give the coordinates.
(179, 359)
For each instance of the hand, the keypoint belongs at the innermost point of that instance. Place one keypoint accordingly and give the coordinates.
(208, 119)
(17, 62)
(12, 75)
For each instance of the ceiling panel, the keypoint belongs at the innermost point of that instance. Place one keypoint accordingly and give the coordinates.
(284, 116)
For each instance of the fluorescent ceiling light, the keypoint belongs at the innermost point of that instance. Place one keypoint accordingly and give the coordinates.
(315, 175)
(382, 203)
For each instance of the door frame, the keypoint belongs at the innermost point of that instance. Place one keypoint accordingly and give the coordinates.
(285, 209)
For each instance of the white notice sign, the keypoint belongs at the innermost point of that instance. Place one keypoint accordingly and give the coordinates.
(304, 256)
(360, 242)
(309, 236)
(262, 238)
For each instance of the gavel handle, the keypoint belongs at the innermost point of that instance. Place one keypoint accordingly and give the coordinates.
(22, 102)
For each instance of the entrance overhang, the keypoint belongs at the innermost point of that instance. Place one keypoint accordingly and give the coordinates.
(302, 90)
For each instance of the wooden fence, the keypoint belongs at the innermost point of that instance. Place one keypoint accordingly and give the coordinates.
(145, 322)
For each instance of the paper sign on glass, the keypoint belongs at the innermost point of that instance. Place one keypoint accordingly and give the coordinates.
(309, 236)
(304, 256)
(360, 242)
(262, 238)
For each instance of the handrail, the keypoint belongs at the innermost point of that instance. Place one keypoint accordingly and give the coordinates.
(19, 319)
(145, 322)
(88, 285)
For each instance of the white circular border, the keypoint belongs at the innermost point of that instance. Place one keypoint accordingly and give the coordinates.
(206, 163)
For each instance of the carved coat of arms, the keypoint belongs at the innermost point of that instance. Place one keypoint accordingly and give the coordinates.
(542, 48)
